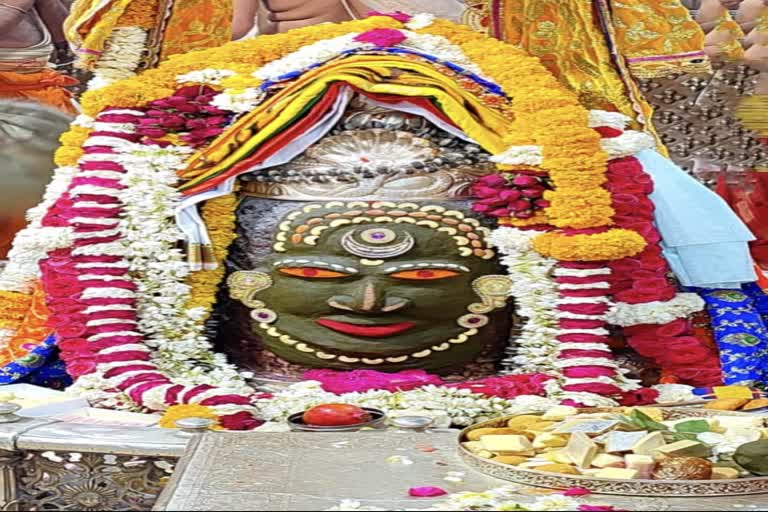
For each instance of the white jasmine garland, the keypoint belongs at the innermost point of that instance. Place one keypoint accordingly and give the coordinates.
(520, 155)
(205, 76)
(122, 56)
(682, 306)
(239, 101)
(674, 393)
(617, 120)
(421, 21)
(460, 407)
(322, 51)
(629, 143)
(534, 292)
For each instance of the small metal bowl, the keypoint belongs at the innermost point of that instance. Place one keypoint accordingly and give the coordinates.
(378, 421)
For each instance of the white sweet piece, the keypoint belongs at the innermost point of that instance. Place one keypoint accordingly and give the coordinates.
(606, 460)
(581, 450)
(643, 464)
(548, 440)
(649, 444)
(617, 474)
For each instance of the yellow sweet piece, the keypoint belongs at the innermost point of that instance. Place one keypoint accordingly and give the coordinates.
(617, 473)
(756, 404)
(563, 469)
(725, 474)
(512, 460)
(685, 449)
(541, 426)
(559, 413)
(546, 440)
(473, 446)
(727, 404)
(507, 445)
(557, 456)
(764, 432)
(476, 435)
(523, 422)
(654, 413)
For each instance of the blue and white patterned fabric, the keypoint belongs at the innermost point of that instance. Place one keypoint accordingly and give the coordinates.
(741, 333)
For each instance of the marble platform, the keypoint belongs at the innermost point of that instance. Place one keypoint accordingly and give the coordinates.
(228, 471)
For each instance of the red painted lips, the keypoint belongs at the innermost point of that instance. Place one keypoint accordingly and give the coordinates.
(366, 331)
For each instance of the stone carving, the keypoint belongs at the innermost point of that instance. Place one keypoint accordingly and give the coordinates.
(90, 481)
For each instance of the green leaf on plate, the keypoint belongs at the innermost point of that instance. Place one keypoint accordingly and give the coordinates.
(693, 427)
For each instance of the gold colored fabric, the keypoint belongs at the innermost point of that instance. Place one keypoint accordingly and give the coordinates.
(196, 25)
(658, 38)
(565, 35)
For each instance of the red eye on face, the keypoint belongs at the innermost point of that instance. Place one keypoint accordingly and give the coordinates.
(312, 273)
(425, 275)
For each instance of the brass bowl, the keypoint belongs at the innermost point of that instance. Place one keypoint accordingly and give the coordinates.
(378, 421)
(652, 488)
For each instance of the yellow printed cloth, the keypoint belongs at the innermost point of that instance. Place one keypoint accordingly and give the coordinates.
(196, 25)
(658, 38)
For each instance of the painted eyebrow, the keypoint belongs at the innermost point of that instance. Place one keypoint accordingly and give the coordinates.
(314, 263)
(416, 266)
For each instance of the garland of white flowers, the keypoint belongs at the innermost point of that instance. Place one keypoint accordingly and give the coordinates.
(123, 53)
(535, 294)
(446, 406)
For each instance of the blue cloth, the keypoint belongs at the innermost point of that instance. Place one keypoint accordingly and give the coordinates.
(24, 366)
(52, 375)
(704, 241)
(741, 334)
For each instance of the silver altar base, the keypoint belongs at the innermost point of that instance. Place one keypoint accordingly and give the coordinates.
(299, 471)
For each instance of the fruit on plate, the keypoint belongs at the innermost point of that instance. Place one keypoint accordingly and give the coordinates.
(753, 457)
(336, 415)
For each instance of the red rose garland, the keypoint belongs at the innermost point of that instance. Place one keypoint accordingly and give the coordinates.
(643, 279)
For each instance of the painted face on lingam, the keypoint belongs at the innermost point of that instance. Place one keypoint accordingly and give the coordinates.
(374, 285)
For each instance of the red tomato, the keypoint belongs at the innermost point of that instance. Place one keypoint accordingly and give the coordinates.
(336, 415)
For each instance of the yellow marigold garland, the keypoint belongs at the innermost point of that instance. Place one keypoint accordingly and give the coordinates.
(549, 116)
(253, 53)
(612, 245)
(219, 217)
(71, 149)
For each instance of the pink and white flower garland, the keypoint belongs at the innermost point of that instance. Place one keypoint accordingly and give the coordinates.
(97, 289)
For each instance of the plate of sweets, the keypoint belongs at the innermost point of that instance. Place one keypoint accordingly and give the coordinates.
(642, 451)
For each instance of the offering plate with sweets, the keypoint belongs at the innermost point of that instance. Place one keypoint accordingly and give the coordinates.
(644, 451)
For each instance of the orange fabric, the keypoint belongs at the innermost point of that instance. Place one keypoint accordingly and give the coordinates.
(196, 25)
(32, 331)
(46, 86)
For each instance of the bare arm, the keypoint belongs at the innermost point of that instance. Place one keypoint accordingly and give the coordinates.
(13, 12)
(53, 13)
(245, 17)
